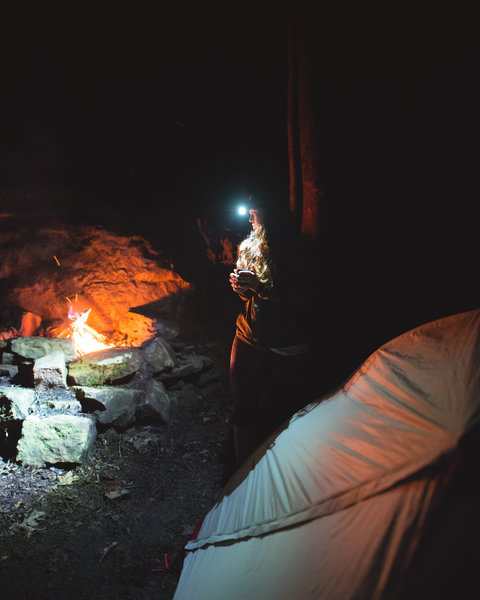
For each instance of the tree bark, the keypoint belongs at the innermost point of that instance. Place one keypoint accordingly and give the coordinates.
(306, 193)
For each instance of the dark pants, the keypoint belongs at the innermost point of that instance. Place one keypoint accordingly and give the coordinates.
(267, 388)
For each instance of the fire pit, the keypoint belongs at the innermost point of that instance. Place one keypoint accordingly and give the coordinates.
(63, 379)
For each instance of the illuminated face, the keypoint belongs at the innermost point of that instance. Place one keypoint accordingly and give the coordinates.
(255, 218)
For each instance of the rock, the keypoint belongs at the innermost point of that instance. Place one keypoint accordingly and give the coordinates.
(50, 371)
(8, 370)
(7, 358)
(106, 366)
(169, 329)
(36, 347)
(187, 366)
(62, 405)
(208, 376)
(56, 439)
(115, 407)
(154, 405)
(112, 273)
(146, 441)
(15, 402)
(159, 354)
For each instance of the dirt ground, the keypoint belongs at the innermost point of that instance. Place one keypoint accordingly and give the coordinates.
(115, 529)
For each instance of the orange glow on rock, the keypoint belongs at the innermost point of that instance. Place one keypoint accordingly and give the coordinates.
(111, 276)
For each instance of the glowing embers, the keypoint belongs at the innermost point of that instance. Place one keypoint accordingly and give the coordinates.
(85, 338)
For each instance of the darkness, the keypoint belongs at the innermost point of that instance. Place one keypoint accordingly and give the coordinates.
(183, 109)
(146, 120)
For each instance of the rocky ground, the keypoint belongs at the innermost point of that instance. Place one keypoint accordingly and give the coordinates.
(115, 529)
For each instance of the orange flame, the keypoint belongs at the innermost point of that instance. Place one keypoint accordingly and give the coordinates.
(85, 338)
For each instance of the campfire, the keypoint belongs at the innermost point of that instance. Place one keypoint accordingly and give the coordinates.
(119, 289)
(85, 338)
(90, 346)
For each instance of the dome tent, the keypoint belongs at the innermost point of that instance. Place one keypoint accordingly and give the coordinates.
(334, 505)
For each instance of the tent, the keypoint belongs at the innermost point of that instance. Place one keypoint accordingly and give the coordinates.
(338, 503)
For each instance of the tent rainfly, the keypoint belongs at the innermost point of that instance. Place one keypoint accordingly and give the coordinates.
(336, 504)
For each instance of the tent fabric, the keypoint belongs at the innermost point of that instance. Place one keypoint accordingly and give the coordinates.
(346, 555)
(327, 506)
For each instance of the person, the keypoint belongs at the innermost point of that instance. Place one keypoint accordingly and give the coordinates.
(270, 367)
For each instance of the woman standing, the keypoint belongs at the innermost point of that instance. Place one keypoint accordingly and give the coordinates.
(270, 371)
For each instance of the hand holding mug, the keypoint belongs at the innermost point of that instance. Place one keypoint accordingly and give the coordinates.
(243, 280)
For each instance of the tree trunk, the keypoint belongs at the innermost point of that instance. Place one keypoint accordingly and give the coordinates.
(305, 190)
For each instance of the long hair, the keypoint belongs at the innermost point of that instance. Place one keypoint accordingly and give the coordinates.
(254, 253)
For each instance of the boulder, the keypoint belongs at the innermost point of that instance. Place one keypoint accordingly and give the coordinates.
(105, 366)
(112, 273)
(115, 407)
(159, 354)
(154, 405)
(56, 439)
(15, 402)
(50, 371)
(36, 347)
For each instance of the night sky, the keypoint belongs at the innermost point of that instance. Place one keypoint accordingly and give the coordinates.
(153, 118)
